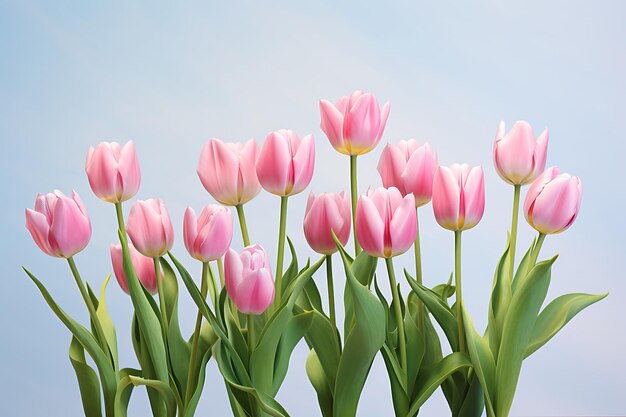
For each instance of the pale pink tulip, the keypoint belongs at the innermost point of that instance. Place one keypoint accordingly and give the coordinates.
(207, 238)
(113, 171)
(285, 164)
(518, 157)
(59, 224)
(458, 196)
(553, 201)
(386, 222)
(327, 213)
(150, 228)
(248, 279)
(355, 124)
(410, 167)
(228, 171)
(144, 268)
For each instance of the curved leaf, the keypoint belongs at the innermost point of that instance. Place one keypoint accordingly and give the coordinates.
(320, 383)
(88, 383)
(107, 324)
(499, 301)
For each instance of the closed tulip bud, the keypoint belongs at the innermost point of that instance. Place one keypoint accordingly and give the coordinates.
(113, 171)
(208, 237)
(458, 196)
(59, 224)
(227, 171)
(518, 157)
(327, 213)
(553, 201)
(355, 124)
(150, 228)
(144, 268)
(248, 279)
(410, 167)
(285, 164)
(386, 222)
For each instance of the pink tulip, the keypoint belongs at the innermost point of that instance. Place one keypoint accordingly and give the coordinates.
(355, 124)
(59, 225)
(248, 279)
(144, 268)
(285, 164)
(113, 171)
(150, 228)
(553, 201)
(518, 157)
(208, 238)
(327, 213)
(227, 171)
(386, 222)
(458, 196)
(410, 167)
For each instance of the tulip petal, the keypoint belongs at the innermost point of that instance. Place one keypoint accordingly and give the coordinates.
(332, 125)
(274, 164)
(303, 164)
(370, 229)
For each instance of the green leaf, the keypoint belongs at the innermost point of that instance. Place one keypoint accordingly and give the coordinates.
(124, 391)
(162, 388)
(323, 337)
(87, 380)
(363, 269)
(107, 323)
(296, 329)
(397, 380)
(190, 410)
(446, 290)
(499, 302)
(320, 383)
(523, 267)
(292, 270)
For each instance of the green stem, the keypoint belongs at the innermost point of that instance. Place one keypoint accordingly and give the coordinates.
(220, 271)
(215, 295)
(397, 310)
(281, 249)
(120, 218)
(536, 250)
(354, 192)
(514, 217)
(251, 334)
(331, 289)
(459, 293)
(243, 225)
(161, 291)
(418, 278)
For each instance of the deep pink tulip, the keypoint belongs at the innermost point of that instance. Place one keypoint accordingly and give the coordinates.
(144, 268)
(458, 196)
(553, 201)
(285, 164)
(59, 224)
(228, 171)
(113, 171)
(518, 157)
(410, 167)
(355, 124)
(327, 213)
(386, 222)
(207, 238)
(150, 228)
(248, 279)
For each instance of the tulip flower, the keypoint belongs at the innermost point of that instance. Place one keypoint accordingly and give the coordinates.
(553, 201)
(59, 224)
(410, 167)
(113, 171)
(248, 279)
(355, 124)
(518, 157)
(458, 196)
(228, 171)
(327, 213)
(285, 163)
(208, 237)
(386, 222)
(150, 228)
(144, 268)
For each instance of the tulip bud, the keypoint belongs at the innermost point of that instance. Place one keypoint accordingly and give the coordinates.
(386, 222)
(553, 201)
(355, 124)
(248, 279)
(410, 167)
(327, 213)
(144, 268)
(228, 171)
(285, 164)
(150, 228)
(208, 238)
(113, 171)
(59, 225)
(458, 196)
(518, 157)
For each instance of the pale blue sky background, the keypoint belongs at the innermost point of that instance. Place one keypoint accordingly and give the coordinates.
(171, 76)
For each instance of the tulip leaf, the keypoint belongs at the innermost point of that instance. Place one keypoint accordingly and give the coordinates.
(107, 324)
(88, 383)
(364, 268)
(323, 338)
(190, 409)
(397, 380)
(415, 343)
(446, 290)
(162, 388)
(296, 329)
(124, 391)
(523, 268)
(292, 270)
(499, 302)
(320, 383)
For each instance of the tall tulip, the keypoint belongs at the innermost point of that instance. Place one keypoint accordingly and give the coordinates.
(248, 278)
(150, 228)
(208, 237)
(519, 157)
(327, 213)
(144, 268)
(113, 171)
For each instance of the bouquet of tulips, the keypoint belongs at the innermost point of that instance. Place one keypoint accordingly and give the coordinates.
(251, 315)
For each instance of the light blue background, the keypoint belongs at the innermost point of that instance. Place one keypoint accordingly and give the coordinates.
(171, 76)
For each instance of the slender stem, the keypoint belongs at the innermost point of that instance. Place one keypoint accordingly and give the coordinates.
(418, 277)
(331, 289)
(536, 250)
(120, 218)
(281, 248)
(514, 217)
(397, 310)
(161, 291)
(243, 225)
(215, 295)
(220, 271)
(354, 192)
(251, 334)
(459, 293)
